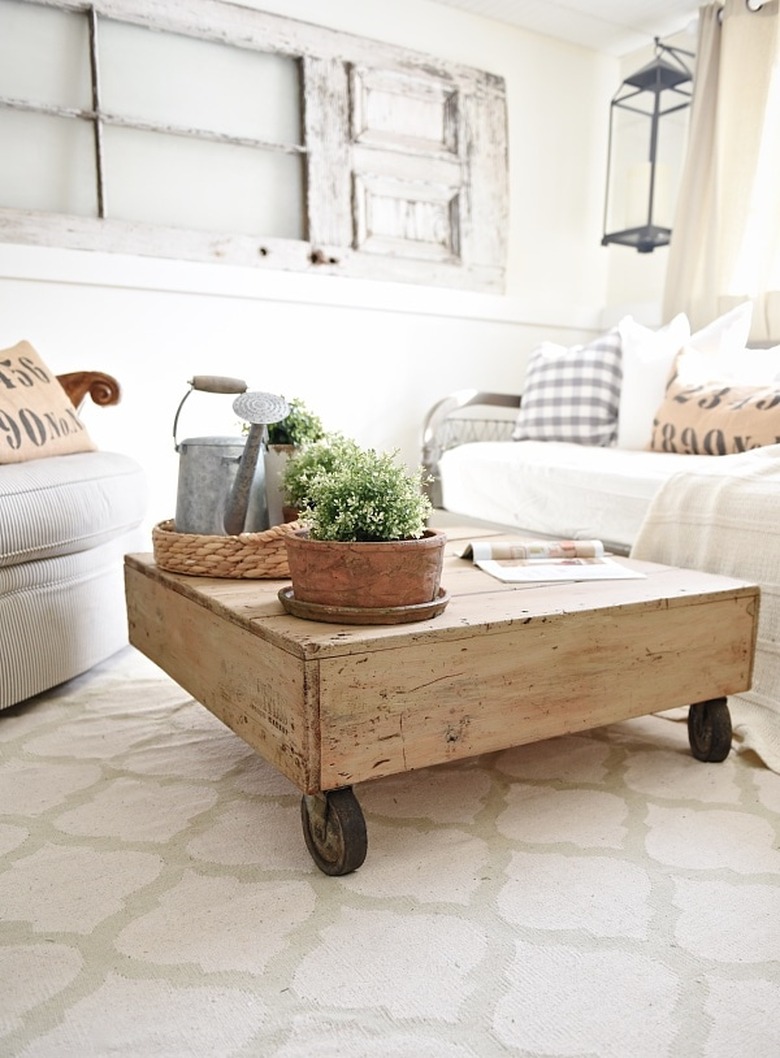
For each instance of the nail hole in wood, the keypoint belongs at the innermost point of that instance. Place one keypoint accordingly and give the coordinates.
(317, 257)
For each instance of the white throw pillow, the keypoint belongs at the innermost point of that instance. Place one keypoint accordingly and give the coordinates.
(648, 357)
(746, 367)
(572, 394)
(727, 335)
(721, 353)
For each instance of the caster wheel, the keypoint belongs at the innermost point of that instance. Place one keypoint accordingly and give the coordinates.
(334, 830)
(709, 730)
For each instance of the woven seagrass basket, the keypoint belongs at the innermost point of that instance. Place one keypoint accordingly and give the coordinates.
(249, 555)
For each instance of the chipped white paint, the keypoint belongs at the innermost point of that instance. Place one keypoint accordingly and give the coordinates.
(406, 160)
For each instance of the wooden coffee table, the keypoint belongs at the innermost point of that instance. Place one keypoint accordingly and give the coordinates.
(334, 705)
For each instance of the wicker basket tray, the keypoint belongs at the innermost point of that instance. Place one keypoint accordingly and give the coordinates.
(249, 555)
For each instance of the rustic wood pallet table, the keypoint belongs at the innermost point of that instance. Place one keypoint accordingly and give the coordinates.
(504, 664)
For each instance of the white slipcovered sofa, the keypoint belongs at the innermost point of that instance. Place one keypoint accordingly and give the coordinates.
(557, 489)
(572, 457)
(66, 520)
(692, 394)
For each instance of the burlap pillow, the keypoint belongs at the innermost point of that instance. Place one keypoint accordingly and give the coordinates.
(716, 418)
(37, 418)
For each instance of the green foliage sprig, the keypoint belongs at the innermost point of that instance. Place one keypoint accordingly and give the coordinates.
(301, 426)
(368, 496)
(311, 461)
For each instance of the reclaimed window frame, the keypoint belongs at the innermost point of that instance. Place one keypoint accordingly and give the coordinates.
(405, 157)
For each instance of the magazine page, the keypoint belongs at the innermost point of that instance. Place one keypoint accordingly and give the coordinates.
(514, 561)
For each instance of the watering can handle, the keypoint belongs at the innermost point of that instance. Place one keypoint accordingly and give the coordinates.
(208, 384)
(218, 384)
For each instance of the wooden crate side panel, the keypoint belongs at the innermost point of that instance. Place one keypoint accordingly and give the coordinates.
(265, 695)
(477, 600)
(392, 711)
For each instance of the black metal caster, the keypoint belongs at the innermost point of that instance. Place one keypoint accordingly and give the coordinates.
(334, 829)
(709, 730)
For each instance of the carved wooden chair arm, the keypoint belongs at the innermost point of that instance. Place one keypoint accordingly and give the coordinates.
(102, 388)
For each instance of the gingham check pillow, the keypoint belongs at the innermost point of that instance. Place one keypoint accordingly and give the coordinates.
(572, 394)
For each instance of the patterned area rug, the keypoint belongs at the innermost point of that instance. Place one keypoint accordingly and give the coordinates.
(599, 895)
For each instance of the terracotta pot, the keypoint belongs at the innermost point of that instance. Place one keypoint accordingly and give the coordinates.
(392, 573)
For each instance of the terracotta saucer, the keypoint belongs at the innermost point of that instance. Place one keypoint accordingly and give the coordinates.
(357, 615)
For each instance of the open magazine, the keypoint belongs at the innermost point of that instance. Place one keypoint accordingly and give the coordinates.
(546, 560)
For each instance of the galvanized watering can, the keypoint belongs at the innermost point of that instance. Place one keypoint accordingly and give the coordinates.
(221, 488)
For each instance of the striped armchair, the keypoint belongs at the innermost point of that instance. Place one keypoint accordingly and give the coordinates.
(65, 523)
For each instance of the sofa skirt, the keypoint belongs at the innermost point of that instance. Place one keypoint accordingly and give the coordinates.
(60, 616)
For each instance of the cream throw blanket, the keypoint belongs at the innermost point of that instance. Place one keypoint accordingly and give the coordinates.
(725, 518)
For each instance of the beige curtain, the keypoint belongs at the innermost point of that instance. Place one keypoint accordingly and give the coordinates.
(725, 244)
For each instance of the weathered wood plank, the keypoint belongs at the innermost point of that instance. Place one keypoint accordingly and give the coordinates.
(246, 27)
(263, 693)
(485, 121)
(395, 710)
(151, 240)
(31, 228)
(326, 125)
(476, 598)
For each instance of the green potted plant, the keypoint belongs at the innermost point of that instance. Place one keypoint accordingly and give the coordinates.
(299, 428)
(306, 464)
(366, 544)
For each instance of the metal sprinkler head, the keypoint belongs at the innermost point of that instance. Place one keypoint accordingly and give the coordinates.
(259, 409)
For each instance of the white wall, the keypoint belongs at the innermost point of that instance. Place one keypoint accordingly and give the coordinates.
(368, 357)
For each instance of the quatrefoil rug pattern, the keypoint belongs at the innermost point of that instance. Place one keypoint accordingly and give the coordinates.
(601, 894)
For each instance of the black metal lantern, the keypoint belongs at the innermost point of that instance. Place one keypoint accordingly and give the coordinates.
(642, 162)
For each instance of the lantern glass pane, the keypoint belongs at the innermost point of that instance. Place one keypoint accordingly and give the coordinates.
(629, 202)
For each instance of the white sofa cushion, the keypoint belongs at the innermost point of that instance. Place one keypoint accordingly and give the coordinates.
(66, 504)
(726, 335)
(558, 489)
(741, 367)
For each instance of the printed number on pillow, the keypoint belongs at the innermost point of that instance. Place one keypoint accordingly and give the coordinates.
(37, 418)
(716, 419)
(572, 394)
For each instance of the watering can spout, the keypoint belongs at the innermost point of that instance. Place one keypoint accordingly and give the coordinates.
(258, 409)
